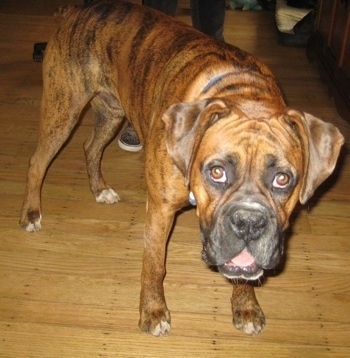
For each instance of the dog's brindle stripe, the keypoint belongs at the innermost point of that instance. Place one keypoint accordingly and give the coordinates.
(178, 47)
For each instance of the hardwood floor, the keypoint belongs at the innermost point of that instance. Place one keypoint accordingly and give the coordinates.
(72, 289)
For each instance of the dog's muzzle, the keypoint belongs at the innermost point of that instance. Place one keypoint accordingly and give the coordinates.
(244, 241)
(247, 225)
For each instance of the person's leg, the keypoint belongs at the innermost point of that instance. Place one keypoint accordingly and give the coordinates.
(166, 6)
(208, 16)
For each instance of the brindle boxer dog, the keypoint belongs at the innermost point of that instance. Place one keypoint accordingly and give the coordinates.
(213, 123)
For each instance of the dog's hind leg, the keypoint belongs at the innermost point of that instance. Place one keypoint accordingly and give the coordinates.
(59, 115)
(108, 116)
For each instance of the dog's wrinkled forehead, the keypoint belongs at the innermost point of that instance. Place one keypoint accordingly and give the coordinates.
(250, 143)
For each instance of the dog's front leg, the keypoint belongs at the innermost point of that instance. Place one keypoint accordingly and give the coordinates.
(247, 314)
(154, 314)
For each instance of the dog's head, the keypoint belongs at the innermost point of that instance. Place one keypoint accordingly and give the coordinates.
(247, 175)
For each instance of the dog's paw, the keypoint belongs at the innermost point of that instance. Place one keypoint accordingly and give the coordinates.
(107, 196)
(31, 222)
(249, 319)
(158, 324)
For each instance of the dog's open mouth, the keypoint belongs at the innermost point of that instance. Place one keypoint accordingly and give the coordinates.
(241, 266)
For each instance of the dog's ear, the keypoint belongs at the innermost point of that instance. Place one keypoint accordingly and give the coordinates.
(185, 124)
(324, 143)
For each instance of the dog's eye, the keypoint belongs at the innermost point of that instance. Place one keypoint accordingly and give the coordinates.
(281, 181)
(218, 174)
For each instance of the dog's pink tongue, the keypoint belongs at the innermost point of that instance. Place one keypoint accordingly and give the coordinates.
(244, 259)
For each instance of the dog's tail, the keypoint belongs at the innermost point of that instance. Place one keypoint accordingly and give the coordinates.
(63, 11)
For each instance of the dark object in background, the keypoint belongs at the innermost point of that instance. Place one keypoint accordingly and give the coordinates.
(306, 24)
(268, 5)
(302, 4)
(38, 53)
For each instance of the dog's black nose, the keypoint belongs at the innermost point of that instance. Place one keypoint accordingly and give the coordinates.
(248, 224)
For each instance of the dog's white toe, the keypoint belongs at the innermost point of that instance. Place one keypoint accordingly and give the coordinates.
(163, 328)
(108, 196)
(252, 329)
(35, 226)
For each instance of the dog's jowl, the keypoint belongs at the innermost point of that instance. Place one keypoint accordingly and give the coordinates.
(213, 123)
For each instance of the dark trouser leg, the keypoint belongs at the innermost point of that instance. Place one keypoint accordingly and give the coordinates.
(167, 7)
(208, 16)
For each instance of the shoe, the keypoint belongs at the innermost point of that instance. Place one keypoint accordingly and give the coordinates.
(128, 140)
